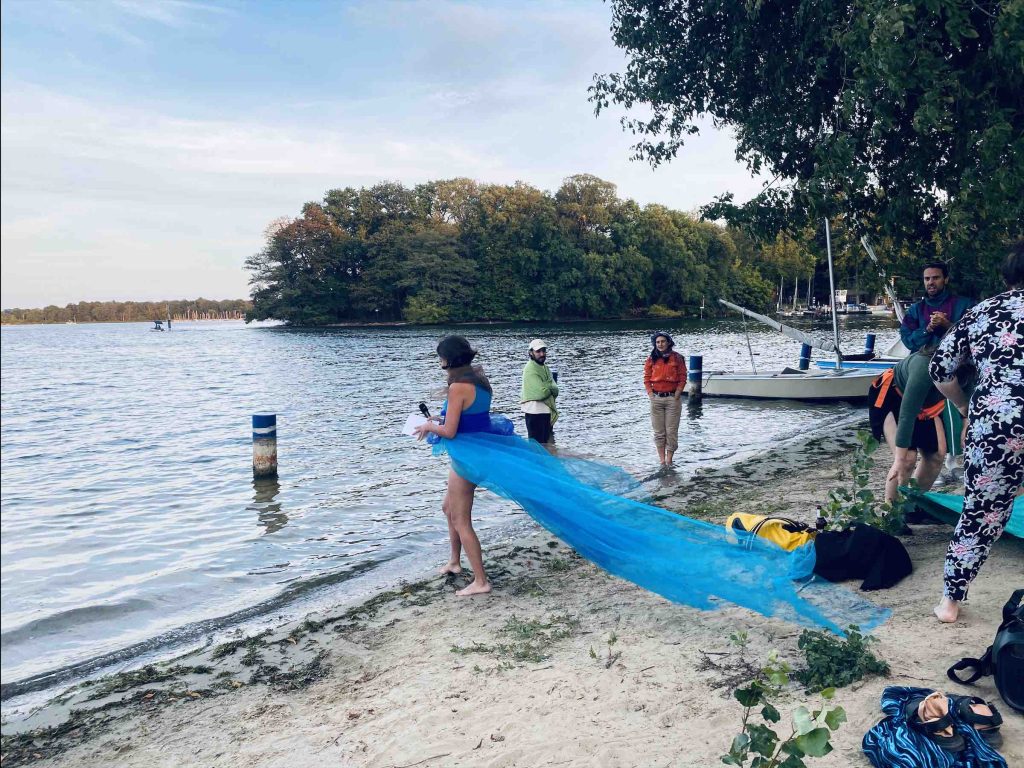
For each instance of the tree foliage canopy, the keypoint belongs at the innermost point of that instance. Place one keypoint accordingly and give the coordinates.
(458, 250)
(905, 118)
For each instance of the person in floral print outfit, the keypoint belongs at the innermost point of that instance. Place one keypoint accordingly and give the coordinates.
(990, 336)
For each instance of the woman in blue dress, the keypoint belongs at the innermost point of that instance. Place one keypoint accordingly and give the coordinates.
(593, 507)
(469, 395)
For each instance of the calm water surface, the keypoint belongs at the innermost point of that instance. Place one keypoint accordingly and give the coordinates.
(130, 519)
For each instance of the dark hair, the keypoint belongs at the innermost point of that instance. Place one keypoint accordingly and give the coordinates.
(937, 265)
(655, 354)
(456, 351)
(1013, 267)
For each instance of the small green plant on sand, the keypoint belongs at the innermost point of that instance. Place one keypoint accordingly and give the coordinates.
(610, 638)
(759, 745)
(835, 662)
(847, 506)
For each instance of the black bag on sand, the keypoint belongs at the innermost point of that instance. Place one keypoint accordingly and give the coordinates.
(1004, 659)
(861, 552)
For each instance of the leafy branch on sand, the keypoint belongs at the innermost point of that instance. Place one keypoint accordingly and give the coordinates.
(857, 504)
(759, 745)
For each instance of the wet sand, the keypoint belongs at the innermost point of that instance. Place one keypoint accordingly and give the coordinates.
(561, 665)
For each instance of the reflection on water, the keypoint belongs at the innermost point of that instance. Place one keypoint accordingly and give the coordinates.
(265, 490)
(694, 408)
(126, 517)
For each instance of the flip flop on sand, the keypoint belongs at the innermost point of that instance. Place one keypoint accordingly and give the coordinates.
(930, 716)
(982, 716)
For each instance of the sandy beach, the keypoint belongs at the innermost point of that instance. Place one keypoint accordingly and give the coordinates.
(563, 665)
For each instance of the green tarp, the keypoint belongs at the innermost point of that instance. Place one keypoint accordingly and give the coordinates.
(947, 507)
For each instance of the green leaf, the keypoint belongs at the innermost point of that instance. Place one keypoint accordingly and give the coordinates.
(802, 720)
(815, 743)
(762, 739)
(770, 713)
(835, 717)
(749, 697)
(828, 693)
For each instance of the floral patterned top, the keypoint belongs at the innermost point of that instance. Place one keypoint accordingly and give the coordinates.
(990, 336)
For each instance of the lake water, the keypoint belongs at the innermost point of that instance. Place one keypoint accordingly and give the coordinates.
(130, 519)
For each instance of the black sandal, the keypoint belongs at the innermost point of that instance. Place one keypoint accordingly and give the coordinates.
(933, 729)
(987, 726)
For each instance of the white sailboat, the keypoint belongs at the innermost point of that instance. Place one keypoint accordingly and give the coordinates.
(792, 384)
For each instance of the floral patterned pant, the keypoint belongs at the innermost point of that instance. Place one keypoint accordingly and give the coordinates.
(993, 472)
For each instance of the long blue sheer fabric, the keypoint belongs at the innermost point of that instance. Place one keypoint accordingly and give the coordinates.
(687, 561)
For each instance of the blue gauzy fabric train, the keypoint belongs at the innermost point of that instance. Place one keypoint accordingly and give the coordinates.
(687, 561)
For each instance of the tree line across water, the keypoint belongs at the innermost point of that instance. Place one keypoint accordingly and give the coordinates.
(130, 311)
(458, 250)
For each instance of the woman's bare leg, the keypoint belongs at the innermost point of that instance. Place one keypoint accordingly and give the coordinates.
(931, 463)
(454, 564)
(902, 460)
(460, 509)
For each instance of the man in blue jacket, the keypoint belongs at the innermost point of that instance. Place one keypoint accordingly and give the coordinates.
(927, 320)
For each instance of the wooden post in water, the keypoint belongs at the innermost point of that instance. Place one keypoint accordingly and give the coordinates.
(869, 343)
(805, 356)
(264, 445)
(695, 376)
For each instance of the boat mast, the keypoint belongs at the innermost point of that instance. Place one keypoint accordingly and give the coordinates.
(886, 286)
(832, 287)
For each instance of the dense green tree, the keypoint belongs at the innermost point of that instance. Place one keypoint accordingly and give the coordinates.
(131, 311)
(905, 119)
(456, 250)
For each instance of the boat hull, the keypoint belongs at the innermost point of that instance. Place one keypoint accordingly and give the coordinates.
(848, 384)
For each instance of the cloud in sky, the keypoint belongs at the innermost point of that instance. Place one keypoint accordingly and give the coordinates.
(145, 146)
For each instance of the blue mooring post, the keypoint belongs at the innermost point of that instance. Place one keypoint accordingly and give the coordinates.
(695, 375)
(869, 343)
(264, 445)
(805, 356)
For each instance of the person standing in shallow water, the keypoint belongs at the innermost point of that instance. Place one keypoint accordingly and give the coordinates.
(990, 336)
(538, 393)
(469, 393)
(665, 381)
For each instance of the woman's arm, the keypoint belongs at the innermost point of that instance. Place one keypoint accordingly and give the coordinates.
(648, 369)
(459, 395)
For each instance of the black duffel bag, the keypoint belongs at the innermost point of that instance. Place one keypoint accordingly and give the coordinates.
(1004, 659)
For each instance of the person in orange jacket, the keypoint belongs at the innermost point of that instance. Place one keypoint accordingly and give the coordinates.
(665, 382)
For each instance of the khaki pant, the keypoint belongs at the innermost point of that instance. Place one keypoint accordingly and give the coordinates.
(665, 412)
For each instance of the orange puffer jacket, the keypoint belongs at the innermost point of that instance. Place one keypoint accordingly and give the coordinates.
(665, 375)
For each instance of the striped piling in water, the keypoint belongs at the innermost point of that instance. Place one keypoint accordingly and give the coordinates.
(695, 376)
(805, 356)
(264, 445)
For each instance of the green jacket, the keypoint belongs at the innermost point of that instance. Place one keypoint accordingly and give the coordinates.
(538, 384)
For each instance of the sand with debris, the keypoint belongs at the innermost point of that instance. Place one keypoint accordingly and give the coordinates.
(562, 665)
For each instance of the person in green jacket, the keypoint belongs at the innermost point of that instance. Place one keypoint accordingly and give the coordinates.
(537, 398)
(905, 409)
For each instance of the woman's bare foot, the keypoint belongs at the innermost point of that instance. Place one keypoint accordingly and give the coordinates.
(475, 589)
(947, 611)
(450, 567)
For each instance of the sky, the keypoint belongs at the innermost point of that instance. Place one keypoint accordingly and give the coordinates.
(147, 144)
